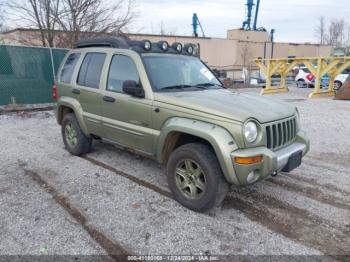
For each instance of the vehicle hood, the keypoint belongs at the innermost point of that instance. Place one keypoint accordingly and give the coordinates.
(235, 106)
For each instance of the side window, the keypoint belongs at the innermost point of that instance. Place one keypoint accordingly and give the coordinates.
(91, 70)
(122, 68)
(68, 68)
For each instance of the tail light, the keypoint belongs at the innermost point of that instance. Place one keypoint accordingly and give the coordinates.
(54, 92)
(310, 77)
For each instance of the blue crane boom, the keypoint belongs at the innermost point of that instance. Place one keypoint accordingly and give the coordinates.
(247, 24)
(195, 24)
(256, 15)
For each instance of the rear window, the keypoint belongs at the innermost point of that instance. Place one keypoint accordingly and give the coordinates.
(91, 70)
(68, 68)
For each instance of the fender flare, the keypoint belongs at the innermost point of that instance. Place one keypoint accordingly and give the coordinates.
(77, 109)
(219, 138)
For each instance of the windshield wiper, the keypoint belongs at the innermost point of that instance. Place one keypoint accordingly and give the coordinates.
(207, 85)
(176, 87)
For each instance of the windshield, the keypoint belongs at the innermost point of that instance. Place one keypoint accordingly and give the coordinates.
(306, 70)
(179, 73)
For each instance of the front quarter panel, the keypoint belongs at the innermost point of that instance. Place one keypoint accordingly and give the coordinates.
(220, 139)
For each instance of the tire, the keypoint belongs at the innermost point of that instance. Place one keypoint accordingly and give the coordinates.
(75, 141)
(337, 85)
(211, 178)
(301, 83)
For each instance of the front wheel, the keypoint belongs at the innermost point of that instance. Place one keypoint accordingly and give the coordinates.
(75, 141)
(195, 177)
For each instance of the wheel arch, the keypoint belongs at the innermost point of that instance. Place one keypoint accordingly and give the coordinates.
(180, 131)
(69, 105)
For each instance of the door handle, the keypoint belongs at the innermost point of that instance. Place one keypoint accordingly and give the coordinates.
(108, 99)
(76, 91)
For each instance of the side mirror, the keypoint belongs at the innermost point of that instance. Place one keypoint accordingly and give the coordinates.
(132, 88)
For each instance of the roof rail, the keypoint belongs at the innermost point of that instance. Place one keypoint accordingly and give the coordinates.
(114, 42)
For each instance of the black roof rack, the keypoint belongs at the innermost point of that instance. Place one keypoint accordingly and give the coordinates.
(124, 43)
(114, 42)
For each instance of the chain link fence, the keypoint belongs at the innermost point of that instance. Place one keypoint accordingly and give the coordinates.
(27, 74)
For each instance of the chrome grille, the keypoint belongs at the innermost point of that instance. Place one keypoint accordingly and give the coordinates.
(281, 133)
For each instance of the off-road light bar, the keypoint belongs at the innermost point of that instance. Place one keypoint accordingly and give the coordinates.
(163, 45)
(178, 47)
(138, 46)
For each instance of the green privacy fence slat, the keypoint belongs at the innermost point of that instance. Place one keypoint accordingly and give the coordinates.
(27, 73)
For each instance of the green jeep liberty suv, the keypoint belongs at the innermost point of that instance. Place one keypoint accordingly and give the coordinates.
(164, 102)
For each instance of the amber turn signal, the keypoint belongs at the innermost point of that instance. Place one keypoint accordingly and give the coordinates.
(248, 160)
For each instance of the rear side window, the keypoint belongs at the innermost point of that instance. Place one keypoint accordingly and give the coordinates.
(68, 68)
(122, 69)
(91, 70)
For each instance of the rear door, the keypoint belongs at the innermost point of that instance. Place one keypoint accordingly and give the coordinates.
(127, 120)
(88, 90)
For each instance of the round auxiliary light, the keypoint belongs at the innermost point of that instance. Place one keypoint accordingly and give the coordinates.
(195, 51)
(250, 132)
(147, 45)
(190, 49)
(164, 46)
(178, 47)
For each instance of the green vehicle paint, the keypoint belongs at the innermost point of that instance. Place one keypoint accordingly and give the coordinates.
(150, 124)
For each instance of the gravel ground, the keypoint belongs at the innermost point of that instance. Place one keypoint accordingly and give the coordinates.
(53, 203)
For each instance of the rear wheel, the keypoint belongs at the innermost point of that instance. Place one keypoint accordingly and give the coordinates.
(195, 177)
(75, 141)
(301, 83)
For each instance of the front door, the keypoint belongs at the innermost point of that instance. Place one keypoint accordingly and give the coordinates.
(127, 120)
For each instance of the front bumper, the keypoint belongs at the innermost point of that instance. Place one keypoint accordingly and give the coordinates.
(272, 161)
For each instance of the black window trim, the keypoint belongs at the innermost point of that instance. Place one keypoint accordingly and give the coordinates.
(109, 70)
(81, 64)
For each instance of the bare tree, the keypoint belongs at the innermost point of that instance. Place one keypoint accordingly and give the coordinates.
(246, 56)
(89, 18)
(336, 33)
(166, 31)
(63, 22)
(40, 14)
(320, 31)
(2, 25)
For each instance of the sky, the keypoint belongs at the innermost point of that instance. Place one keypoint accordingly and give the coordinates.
(293, 20)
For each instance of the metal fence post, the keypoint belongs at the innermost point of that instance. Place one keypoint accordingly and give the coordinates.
(53, 65)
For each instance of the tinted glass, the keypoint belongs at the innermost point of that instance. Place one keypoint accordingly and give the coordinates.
(91, 69)
(346, 71)
(175, 70)
(68, 68)
(122, 69)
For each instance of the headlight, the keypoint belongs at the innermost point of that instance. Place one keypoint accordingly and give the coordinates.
(251, 132)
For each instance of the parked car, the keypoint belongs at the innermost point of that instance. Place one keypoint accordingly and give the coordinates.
(304, 78)
(340, 79)
(162, 101)
(343, 93)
